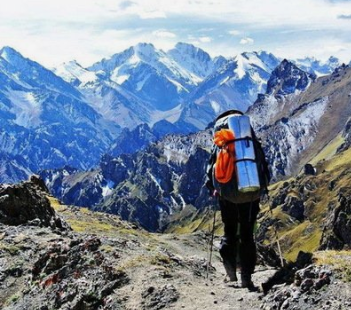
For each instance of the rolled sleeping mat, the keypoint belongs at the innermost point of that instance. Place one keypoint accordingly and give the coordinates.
(246, 166)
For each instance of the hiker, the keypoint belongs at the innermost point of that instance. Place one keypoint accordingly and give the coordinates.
(239, 211)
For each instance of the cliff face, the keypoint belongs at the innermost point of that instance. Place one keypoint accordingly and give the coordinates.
(296, 123)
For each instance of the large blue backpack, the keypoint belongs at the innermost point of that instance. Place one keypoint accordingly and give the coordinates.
(251, 177)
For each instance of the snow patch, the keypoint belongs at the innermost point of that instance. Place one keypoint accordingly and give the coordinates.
(121, 79)
(156, 181)
(134, 60)
(171, 116)
(180, 87)
(6, 56)
(72, 70)
(183, 201)
(108, 188)
(26, 107)
(224, 81)
(312, 114)
(215, 106)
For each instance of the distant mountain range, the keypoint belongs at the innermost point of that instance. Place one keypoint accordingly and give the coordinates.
(73, 115)
(300, 119)
(44, 121)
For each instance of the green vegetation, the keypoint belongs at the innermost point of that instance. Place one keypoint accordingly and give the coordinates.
(92, 226)
(338, 260)
(161, 260)
(12, 249)
(304, 237)
(56, 204)
(339, 162)
(87, 221)
(136, 261)
(200, 221)
(12, 299)
(328, 151)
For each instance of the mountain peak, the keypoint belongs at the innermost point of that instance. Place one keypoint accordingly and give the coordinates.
(9, 53)
(187, 47)
(184, 44)
(73, 63)
(190, 50)
(333, 59)
(145, 49)
(194, 59)
(73, 72)
(285, 65)
(261, 59)
(287, 78)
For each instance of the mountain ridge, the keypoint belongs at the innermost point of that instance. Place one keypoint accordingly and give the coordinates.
(89, 107)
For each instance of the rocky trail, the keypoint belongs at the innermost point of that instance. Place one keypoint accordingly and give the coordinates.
(59, 257)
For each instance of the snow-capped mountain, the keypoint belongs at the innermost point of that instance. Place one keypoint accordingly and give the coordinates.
(142, 84)
(150, 74)
(318, 67)
(72, 72)
(74, 114)
(44, 122)
(108, 98)
(184, 86)
(195, 60)
(234, 86)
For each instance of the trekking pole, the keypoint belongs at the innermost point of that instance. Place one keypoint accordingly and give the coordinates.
(277, 238)
(210, 245)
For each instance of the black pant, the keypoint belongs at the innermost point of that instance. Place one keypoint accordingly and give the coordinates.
(241, 242)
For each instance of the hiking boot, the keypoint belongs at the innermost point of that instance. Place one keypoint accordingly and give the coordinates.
(246, 282)
(231, 272)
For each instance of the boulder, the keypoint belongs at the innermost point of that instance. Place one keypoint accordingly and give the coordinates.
(26, 204)
(336, 233)
(294, 207)
(309, 169)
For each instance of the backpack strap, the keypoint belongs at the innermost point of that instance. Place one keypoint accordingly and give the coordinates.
(247, 138)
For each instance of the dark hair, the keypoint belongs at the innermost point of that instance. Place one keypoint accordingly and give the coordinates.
(229, 112)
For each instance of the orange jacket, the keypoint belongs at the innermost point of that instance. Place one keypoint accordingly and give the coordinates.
(225, 166)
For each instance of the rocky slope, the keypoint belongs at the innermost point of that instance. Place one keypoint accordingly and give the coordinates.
(96, 261)
(147, 186)
(304, 121)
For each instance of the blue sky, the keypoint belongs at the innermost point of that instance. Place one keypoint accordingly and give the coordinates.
(55, 31)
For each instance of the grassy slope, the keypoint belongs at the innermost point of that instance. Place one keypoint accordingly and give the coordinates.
(82, 220)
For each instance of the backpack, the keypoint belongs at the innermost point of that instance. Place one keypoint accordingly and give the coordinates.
(240, 171)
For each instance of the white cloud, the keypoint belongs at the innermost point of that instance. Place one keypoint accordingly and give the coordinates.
(59, 30)
(164, 34)
(246, 41)
(234, 32)
(205, 39)
(152, 14)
